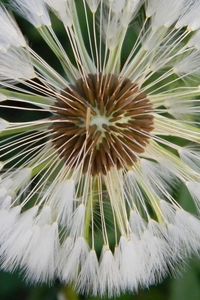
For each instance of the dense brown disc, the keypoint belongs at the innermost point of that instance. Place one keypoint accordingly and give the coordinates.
(101, 122)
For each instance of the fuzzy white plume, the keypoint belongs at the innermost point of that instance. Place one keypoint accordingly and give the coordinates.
(63, 201)
(10, 35)
(183, 110)
(190, 65)
(3, 124)
(78, 221)
(191, 156)
(8, 220)
(21, 178)
(168, 211)
(189, 227)
(88, 280)
(62, 9)
(137, 223)
(12, 184)
(34, 11)
(75, 260)
(15, 65)
(5, 199)
(189, 15)
(40, 258)
(45, 216)
(195, 40)
(93, 5)
(164, 13)
(17, 238)
(129, 261)
(161, 179)
(109, 275)
(156, 254)
(177, 241)
(64, 252)
(117, 6)
(194, 189)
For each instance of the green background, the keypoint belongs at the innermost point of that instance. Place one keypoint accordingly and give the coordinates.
(186, 285)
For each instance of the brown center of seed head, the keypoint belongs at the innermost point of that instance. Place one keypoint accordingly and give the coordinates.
(102, 122)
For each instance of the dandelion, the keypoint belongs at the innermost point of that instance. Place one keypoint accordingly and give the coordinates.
(101, 139)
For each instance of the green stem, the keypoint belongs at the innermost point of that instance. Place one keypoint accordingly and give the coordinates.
(33, 99)
(90, 206)
(88, 219)
(24, 129)
(80, 41)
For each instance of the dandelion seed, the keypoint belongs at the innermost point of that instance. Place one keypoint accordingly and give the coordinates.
(87, 173)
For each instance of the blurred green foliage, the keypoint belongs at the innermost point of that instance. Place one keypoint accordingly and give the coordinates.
(186, 285)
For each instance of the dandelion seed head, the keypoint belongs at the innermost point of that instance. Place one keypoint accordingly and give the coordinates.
(103, 136)
(105, 109)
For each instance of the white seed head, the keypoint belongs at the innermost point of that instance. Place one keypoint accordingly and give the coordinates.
(92, 163)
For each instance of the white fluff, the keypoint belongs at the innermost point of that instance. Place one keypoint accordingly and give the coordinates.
(8, 220)
(16, 239)
(3, 124)
(191, 156)
(195, 40)
(177, 240)
(21, 178)
(44, 217)
(88, 280)
(34, 11)
(130, 10)
(64, 252)
(164, 13)
(15, 65)
(3, 194)
(15, 250)
(117, 5)
(63, 201)
(3, 97)
(129, 263)
(10, 35)
(78, 221)
(5, 200)
(12, 184)
(151, 8)
(189, 227)
(40, 258)
(190, 65)
(190, 15)
(194, 189)
(112, 31)
(156, 255)
(109, 275)
(182, 110)
(62, 9)
(168, 211)
(93, 5)
(137, 223)
(75, 260)
(160, 178)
